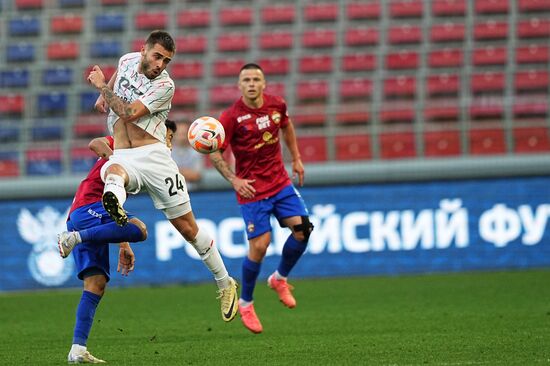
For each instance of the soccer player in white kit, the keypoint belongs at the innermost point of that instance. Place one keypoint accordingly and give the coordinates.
(139, 96)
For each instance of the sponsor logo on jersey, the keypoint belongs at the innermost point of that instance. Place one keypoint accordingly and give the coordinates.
(262, 122)
(242, 118)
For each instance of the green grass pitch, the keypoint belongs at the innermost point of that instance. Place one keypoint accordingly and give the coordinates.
(480, 318)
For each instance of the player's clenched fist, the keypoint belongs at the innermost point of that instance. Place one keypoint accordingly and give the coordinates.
(96, 77)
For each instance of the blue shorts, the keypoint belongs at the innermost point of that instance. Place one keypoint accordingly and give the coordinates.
(90, 256)
(286, 203)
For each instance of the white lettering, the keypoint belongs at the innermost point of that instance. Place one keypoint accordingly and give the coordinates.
(382, 231)
(350, 223)
(420, 230)
(451, 221)
(534, 225)
(499, 225)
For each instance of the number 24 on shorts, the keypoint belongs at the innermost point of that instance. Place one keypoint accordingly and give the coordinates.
(173, 187)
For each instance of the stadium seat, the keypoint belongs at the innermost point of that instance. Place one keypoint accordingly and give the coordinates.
(404, 59)
(532, 80)
(46, 132)
(12, 105)
(82, 159)
(533, 28)
(533, 5)
(491, 7)
(313, 148)
(228, 67)
(358, 62)
(232, 42)
(406, 9)
(490, 56)
(72, 3)
(535, 53)
(315, 64)
(487, 142)
(319, 38)
(357, 10)
(483, 108)
(321, 12)
(353, 147)
(403, 34)
(29, 4)
(488, 82)
(533, 106)
(397, 145)
(52, 104)
(90, 125)
(108, 71)
(309, 115)
(67, 23)
(63, 50)
(401, 86)
(16, 78)
(186, 70)
(60, 75)
(275, 65)
(114, 2)
(276, 88)
(240, 15)
(20, 52)
(105, 49)
(109, 22)
(354, 88)
(400, 111)
(193, 18)
(9, 166)
(278, 13)
(443, 8)
(276, 40)
(87, 101)
(442, 84)
(441, 143)
(490, 30)
(361, 36)
(442, 110)
(531, 140)
(44, 161)
(24, 26)
(447, 57)
(185, 96)
(312, 90)
(224, 94)
(352, 113)
(150, 20)
(448, 32)
(192, 43)
(9, 132)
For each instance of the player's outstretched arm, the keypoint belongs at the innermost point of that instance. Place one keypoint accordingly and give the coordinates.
(289, 136)
(100, 145)
(126, 259)
(100, 103)
(242, 186)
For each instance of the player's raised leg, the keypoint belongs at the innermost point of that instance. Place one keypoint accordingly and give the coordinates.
(114, 193)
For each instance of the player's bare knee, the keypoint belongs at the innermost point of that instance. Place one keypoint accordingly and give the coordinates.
(95, 284)
(302, 231)
(141, 226)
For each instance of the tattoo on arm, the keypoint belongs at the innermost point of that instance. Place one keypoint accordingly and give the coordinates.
(121, 108)
(221, 165)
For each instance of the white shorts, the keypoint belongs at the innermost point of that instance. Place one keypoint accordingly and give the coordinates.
(152, 168)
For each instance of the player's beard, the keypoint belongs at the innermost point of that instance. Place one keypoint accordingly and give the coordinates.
(147, 70)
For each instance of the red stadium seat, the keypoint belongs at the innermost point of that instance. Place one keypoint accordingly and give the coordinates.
(63, 50)
(185, 96)
(315, 64)
(352, 113)
(149, 20)
(533, 54)
(276, 88)
(487, 142)
(276, 40)
(488, 82)
(490, 56)
(531, 140)
(114, 2)
(483, 108)
(228, 67)
(355, 88)
(397, 112)
(361, 36)
(405, 33)
(319, 38)
(224, 94)
(9, 168)
(358, 62)
(353, 147)
(402, 86)
(192, 18)
(239, 15)
(532, 80)
(312, 90)
(441, 143)
(321, 12)
(90, 125)
(313, 148)
(490, 30)
(406, 8)
(448, 32)
(12, 105)
(442, 110)
(363, 10)
(29, 4)
(534, 5)
(186, 70)
(491, 6)
(397, 145)
(448, 57)
(108, 71)
(193, 43)
(275, 65)
(534, 28)
(68, 23)
(404, 59)
(309, 115)
(531, 107)
(229, 42)
(442, 84)
(448, 7)
(278, 13)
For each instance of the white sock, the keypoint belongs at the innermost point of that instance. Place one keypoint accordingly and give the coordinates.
(77, 349)
(244, 304)
(278, 276)
(78, 238)
(115, 183)
(210, 256)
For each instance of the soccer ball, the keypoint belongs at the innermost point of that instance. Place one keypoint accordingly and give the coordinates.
(206, 135)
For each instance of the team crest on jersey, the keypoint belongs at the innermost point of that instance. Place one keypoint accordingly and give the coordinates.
(276, 117)
(250, 227)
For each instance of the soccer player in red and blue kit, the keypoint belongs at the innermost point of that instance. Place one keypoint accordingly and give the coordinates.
(252, 125)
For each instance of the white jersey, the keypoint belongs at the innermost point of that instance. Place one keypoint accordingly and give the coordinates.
(156, 95)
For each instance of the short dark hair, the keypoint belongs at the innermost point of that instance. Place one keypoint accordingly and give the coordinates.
(251, 66)
(163, 38)
(171, 125)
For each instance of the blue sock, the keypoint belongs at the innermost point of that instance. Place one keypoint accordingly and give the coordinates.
(292, 251)
(85, 317)
(112, 233)
(251, 270)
